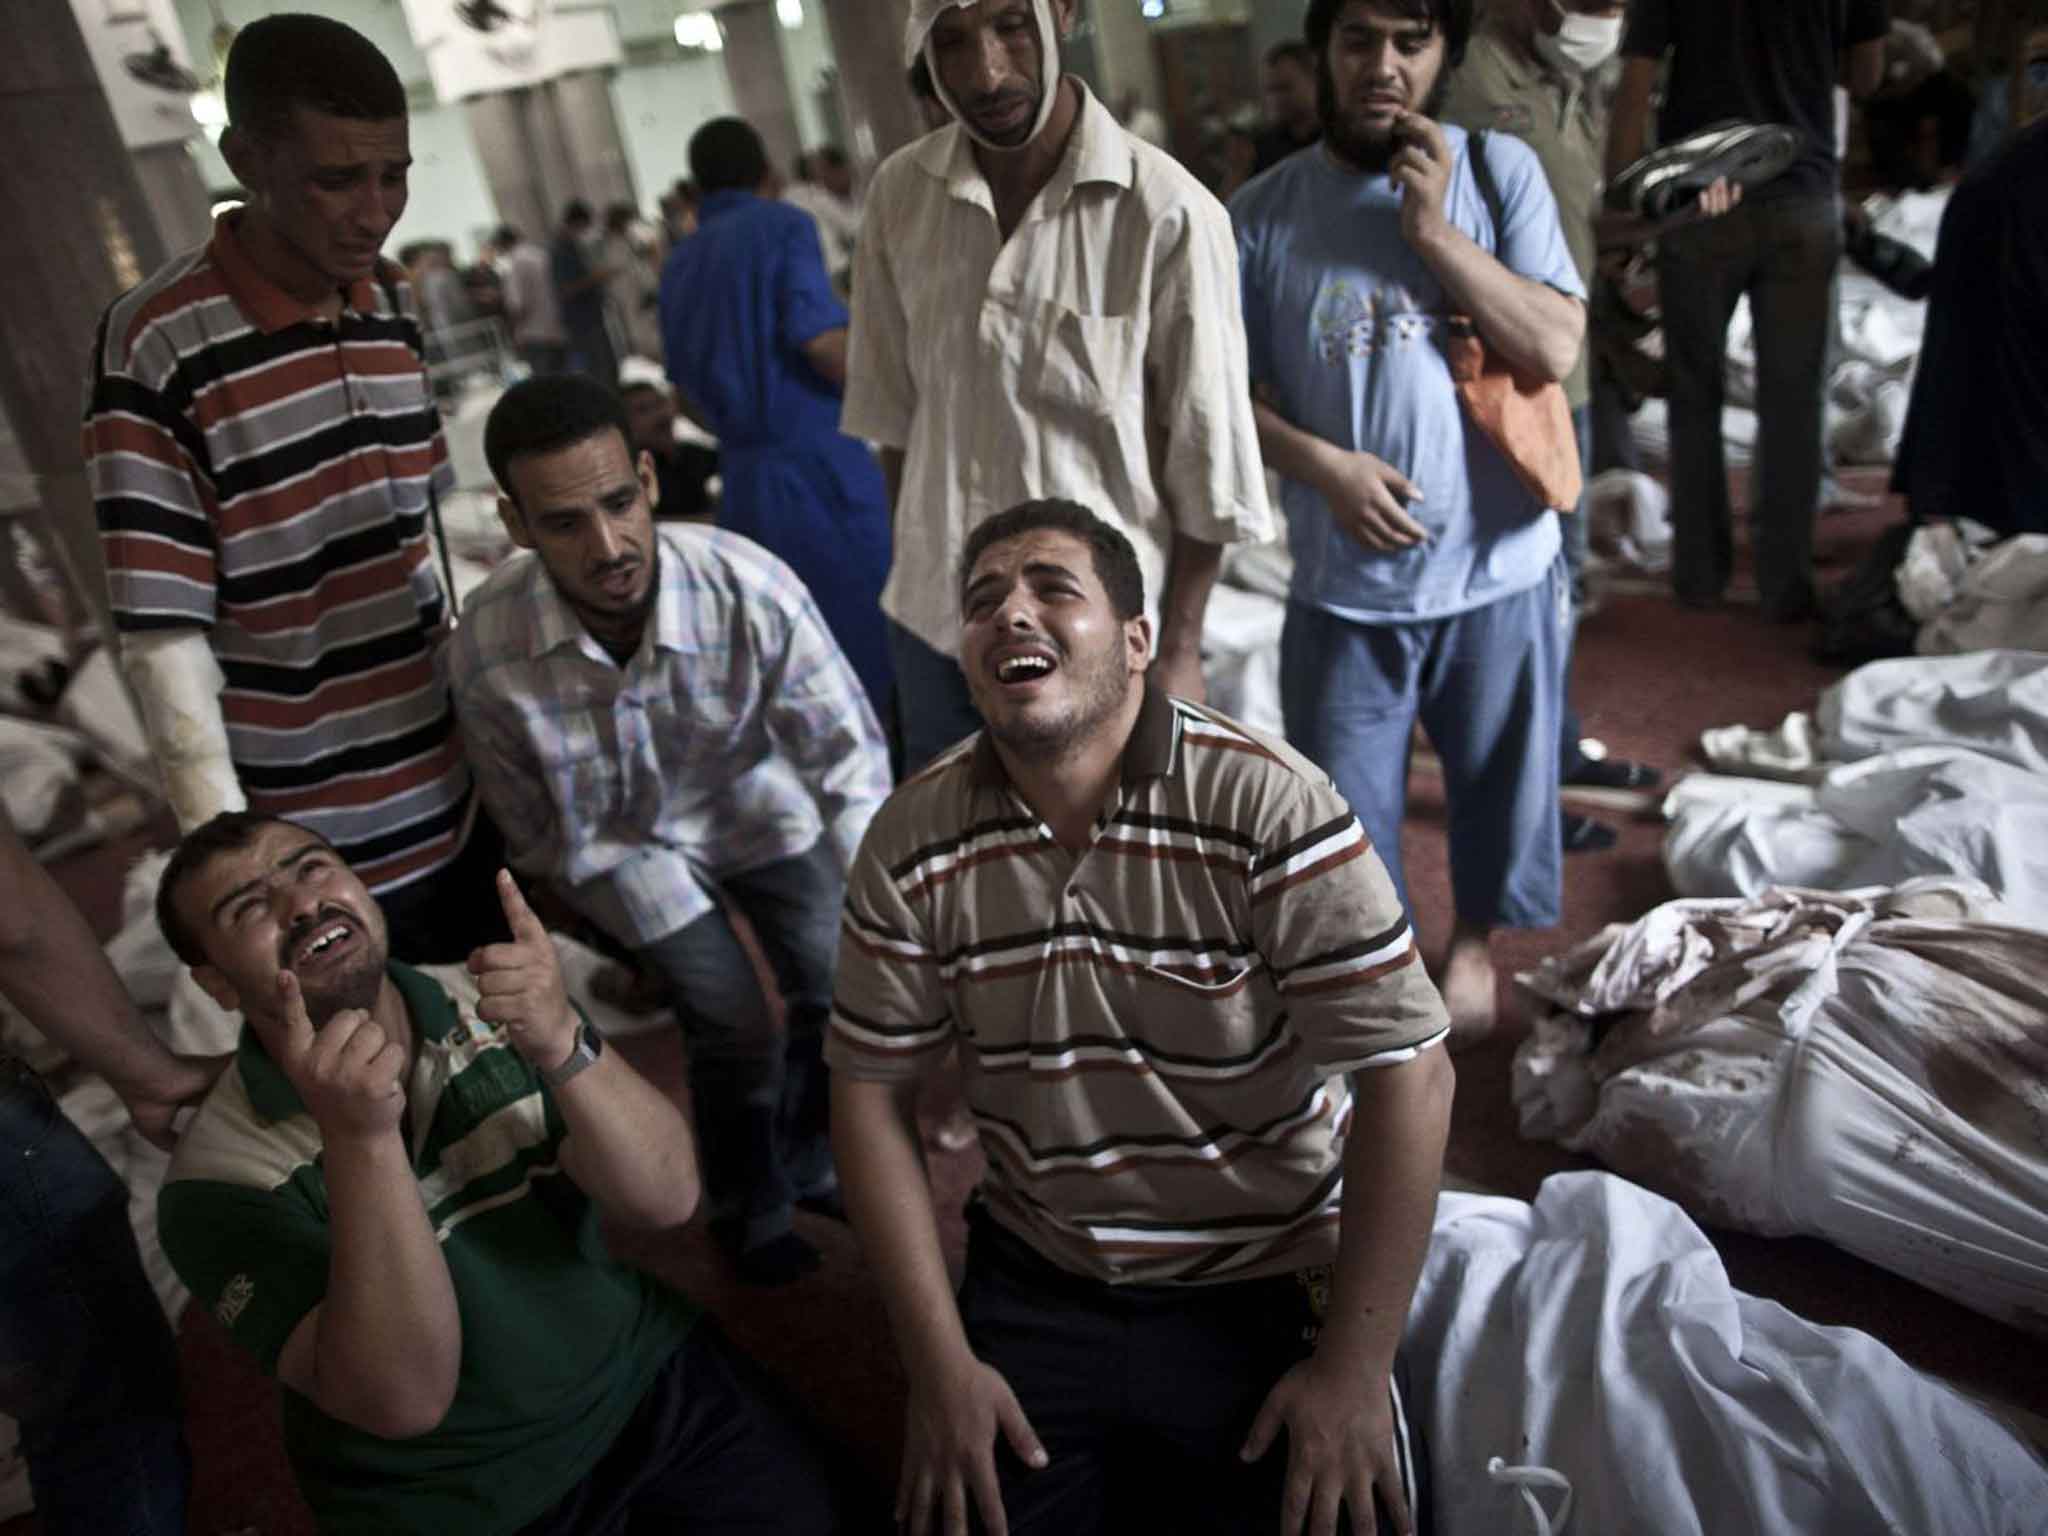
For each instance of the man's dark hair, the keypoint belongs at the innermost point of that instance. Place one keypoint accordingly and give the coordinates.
(685, 190)
(575, 213)
(294, 60)
(1292, 51)
(506, 237)
(1452, 18)
(546, 412)
(412, 252)
(639, 387)
(1116, 563)
(827, 156)
(619, 217)
(727, 155)
(229, 832)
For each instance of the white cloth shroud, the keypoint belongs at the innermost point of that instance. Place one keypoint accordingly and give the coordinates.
(1595, 1333)
(1867, 1067)
(1918, 766)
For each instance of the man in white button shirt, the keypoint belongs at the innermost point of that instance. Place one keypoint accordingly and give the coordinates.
(1046, 307)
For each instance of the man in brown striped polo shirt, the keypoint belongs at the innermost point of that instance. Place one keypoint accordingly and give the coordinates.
(263, 450)
(1205, 1063)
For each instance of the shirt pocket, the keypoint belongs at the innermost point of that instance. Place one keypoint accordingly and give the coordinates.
(1093, 364)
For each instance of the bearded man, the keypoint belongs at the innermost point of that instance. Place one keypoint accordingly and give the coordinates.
(1428, 580)
(1203, 1059)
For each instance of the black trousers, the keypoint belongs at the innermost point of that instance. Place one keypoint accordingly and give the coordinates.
(1143, 1396)
(713, 1449)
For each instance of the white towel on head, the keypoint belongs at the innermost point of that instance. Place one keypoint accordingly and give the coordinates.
(917, 34)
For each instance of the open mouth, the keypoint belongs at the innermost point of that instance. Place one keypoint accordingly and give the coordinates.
(620, 583)
(328, 941)
(1023, 669)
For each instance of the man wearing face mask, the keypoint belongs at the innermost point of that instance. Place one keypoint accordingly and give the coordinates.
(1046, 308)
(1529, 72)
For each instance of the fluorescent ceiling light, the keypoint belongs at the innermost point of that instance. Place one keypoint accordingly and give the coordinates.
(790, 13)
(699, 29)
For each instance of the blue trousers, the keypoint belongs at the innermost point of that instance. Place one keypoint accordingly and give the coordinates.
(1486, 686)
(87, 1363)
(760, 1102)
(933, 707)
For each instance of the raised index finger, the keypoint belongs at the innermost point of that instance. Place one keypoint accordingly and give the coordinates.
(298, 1028)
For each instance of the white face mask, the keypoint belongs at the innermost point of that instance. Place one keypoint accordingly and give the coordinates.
(1582, 43)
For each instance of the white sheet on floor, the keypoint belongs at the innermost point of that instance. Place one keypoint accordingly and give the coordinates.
(1918, 766)
(2000, 600)
(1872, 380)
(1868, 1067)
(1595, 1332)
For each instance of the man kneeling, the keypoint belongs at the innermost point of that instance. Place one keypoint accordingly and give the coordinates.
(1203, 1058)
(391, 1200)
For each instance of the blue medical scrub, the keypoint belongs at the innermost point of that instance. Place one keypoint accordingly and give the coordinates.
(740, 299)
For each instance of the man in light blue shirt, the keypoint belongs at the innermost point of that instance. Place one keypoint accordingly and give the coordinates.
(663, 723)
(1427, 579)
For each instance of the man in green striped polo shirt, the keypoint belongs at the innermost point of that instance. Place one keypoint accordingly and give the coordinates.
(391, 1199)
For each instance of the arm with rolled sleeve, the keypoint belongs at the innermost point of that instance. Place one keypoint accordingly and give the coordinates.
(810, 320)
(508, 772)
(818, 715)
(1199, 419)
(881, 391)
(154, 501)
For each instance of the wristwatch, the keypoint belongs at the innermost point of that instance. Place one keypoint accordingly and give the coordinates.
(589, 1046)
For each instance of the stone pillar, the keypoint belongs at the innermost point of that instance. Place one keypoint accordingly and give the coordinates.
(595, 149)
(497, 126)
(84, 233)
(170, 180)
(867, 42)
(547, 149)
(759, 78)
(1123, 54)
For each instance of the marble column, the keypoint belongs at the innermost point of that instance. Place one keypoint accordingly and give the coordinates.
(867, 43)
(497, 127)
(1123, 54)
(759, 79)
(595, 149)
(83, 233)
(170, 180)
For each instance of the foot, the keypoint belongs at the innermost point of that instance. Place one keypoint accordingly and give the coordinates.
(778, 1261)
(1613, 773)
(1582, 834)
(1467, 982)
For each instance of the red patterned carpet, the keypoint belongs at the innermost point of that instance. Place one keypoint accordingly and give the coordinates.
(1650, 678)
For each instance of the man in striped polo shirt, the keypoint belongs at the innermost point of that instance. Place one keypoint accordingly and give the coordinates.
(264, 449)
(1205, 1065)
(392, 1198)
